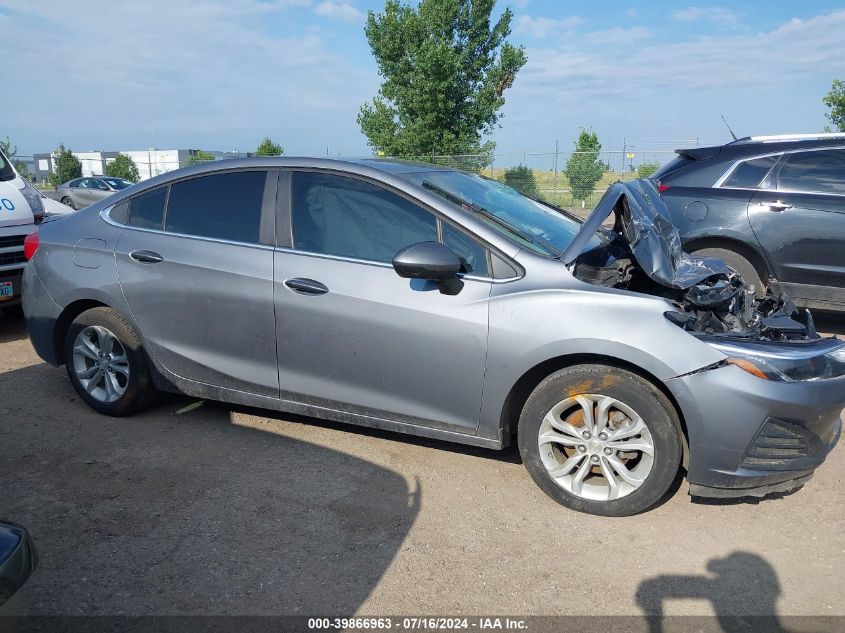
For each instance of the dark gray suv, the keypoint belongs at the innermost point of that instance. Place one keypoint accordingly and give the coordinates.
(772, 207)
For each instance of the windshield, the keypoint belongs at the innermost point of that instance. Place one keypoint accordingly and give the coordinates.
(531, 224)
(6, 171)
(117, 183)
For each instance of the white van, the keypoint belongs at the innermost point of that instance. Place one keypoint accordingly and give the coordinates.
(21, 207)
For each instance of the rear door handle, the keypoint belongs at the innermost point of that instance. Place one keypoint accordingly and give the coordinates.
(778, 205)
(146, 257)
(306, 286)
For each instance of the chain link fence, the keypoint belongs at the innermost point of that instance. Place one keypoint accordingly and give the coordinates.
(569, 179)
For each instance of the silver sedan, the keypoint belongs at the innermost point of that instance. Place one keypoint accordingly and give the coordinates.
(81, 192)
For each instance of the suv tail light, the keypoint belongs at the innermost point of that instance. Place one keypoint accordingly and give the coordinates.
(30, 245)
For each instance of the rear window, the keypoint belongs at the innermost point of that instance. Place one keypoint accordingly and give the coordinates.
(821, 171)
(222, 206)
(748, 174)
(671, 167)
(147, 210)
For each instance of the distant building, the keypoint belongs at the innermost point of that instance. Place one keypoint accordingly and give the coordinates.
(150, 162)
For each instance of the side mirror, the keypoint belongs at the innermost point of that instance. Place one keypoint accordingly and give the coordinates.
(427, 260)
(17, 559)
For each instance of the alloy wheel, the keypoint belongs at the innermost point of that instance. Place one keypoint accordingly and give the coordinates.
(100, 363)
(596, 447)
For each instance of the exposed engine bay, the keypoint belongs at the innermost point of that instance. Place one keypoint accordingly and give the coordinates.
(642, 252)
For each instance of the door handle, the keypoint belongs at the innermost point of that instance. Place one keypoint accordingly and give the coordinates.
(306, 286)
(778, 205)
(146, 257)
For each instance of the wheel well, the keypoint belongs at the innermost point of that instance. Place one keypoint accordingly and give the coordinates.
(67, 316)
(748, 252)
(519, 393)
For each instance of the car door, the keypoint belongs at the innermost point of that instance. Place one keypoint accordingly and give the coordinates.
(98, 189)
(798, 216)
(353, 335)
(196, 267)
(80, 193)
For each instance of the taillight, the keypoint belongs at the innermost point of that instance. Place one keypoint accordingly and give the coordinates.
(30, 245)
(662, 188)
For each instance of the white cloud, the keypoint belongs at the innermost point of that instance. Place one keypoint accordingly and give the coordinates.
(541, 27)
(796, 48)
(211, 73)
(717, 15)
(341, 10)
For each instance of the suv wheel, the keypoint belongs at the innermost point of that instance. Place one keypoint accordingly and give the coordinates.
(601, 440)
(106, 363)
(741, 265)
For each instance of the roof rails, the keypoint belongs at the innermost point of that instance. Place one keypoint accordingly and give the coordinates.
(776, 138)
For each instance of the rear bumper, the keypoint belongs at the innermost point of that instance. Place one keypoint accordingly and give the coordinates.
(41, 315)
(750, 437)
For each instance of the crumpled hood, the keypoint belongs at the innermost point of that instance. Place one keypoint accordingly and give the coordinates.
(642, 220)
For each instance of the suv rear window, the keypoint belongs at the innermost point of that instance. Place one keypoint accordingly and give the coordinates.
(821, 171)
(748, 174)
(671, 167)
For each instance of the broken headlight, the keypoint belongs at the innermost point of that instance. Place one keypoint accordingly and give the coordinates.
(787, 363)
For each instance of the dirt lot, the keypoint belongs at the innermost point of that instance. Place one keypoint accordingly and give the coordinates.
(216, 509)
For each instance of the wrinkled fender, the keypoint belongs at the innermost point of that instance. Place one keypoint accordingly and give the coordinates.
(530, 328)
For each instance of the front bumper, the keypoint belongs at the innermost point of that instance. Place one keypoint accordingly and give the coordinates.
(750, 437)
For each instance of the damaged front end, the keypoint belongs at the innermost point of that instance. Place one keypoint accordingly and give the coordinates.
(643, 253)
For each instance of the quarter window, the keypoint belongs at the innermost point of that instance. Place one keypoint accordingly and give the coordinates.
(821, 171)
(749, 174)
(343, 216)
(222, 206)
(147, 210)
(473, 255)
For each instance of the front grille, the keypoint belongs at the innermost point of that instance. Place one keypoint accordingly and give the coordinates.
(12, 258)
(12, 240)
(783, 445)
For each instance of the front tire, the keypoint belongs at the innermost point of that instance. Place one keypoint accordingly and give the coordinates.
(106, 363)
(600, 440)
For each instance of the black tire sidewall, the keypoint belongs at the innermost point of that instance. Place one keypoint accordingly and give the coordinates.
(642, 396)
(740, 264)
(139, 385)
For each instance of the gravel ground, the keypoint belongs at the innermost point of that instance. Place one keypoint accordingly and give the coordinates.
(217, 509)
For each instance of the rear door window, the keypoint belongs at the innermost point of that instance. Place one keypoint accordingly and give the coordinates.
(147, 210)
(336, 215)
(820, 171)
(221, 206)
(750, 173)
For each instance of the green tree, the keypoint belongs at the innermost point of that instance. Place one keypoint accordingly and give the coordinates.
(444, 72)
(268, 148)
(647, 169)
(522, 179)
(123, 167)
(200, 156)
(11, 151)
(67, 165)
(835, 100)
(584, 169)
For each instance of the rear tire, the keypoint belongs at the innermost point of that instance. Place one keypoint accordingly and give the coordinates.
(604, 468)
(68, 202)
(740, 264)
(106, 363)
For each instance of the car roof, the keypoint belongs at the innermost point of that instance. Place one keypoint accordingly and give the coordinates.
(751, 145)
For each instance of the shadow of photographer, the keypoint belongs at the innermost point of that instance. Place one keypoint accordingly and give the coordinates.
(743, 589)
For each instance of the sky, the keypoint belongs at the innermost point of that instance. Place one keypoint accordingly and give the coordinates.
(220, 74)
